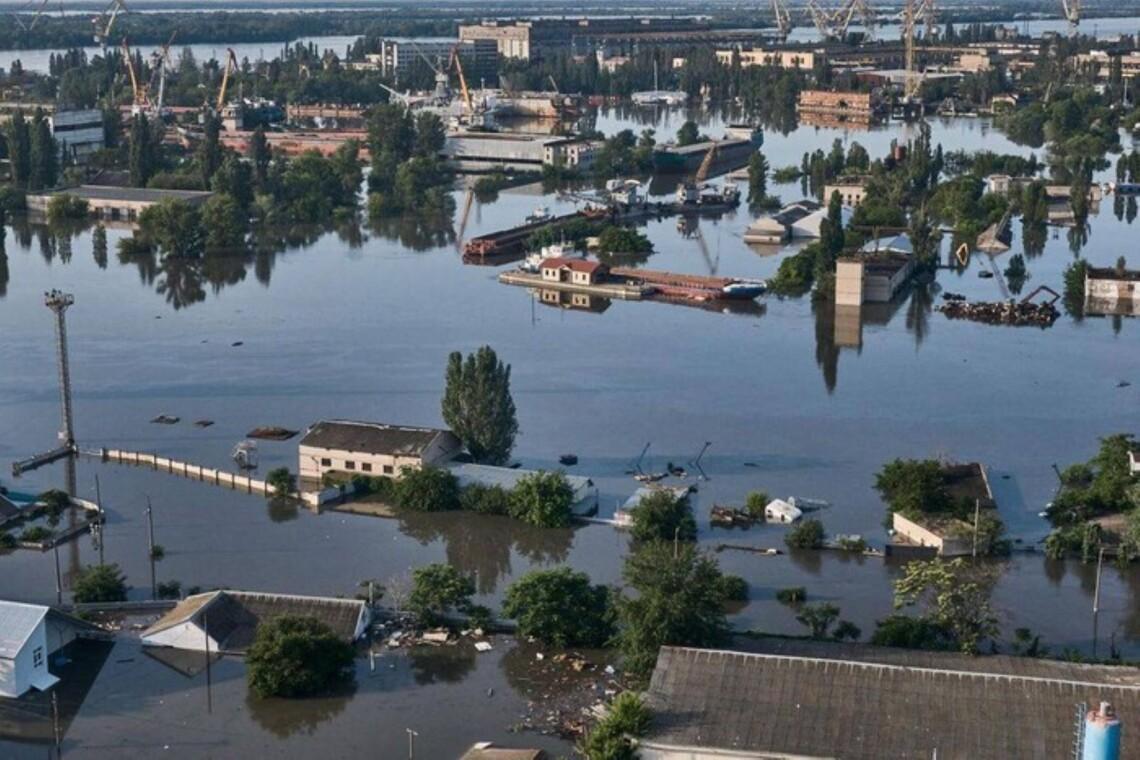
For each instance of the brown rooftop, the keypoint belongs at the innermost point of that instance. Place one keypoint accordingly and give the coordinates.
(818, 699)
(371, 437)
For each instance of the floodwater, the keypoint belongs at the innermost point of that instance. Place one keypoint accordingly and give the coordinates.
(358, 323)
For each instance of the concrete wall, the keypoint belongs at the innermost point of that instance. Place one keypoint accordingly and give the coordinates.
(197, 472)
(947, 546)
(849, 283)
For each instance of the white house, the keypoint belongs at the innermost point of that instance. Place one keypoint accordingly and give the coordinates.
(29, 635)
(781, 511)
(227, 621)
(372, 448)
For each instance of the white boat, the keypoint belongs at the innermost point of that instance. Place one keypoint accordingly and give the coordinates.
(540, 214)
(245, 455)
(533, 262)
(744, 289)
(656, 97)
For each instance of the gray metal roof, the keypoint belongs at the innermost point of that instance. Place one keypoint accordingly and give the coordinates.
(133, 194)
(17, 622)
(818, 699)
(371, 437)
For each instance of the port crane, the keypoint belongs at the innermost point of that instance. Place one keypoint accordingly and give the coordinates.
(1072, 11)
(833, 23)
(27, 7)
(227, 72)
(783, 18)
(159, 63)
(466, 93)
(105, 21)
(139, 99)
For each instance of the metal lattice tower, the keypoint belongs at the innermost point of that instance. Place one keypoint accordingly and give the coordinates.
(1072, 11)
(910, 17)
(59, 302)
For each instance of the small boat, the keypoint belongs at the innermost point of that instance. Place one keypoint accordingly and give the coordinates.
(568, 459)
(272, 433)
(540, 214)
(245, 455)
(746, 289)
(166, 419)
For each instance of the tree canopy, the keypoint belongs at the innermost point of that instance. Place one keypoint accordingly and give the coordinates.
(560, 608)
(661, 516)
(438, 589)
(478, 407)
(294, 656)
(542, 499)
(100, 583)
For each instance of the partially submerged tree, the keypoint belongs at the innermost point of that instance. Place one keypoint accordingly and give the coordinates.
(478, 407)
(560, 608)
(438, 589)
(661, 516)
(427, 489)
(99, 583)
(542, 499)
(955, 595)
(293, 656)
(281, 481)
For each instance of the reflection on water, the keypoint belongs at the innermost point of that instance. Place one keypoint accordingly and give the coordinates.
(285, 717)
(446, 664)
(481, 545)
(29, 718)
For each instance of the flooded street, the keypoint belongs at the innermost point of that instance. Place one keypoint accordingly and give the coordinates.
(358, 324)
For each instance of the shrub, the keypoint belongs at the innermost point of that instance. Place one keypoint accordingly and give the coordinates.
(479, 616)
(560, 608)
(427, 489)
(627, 718)
(807, 534)
(792, 596)
(542, 499)
(7, 541)
(662, 516)
(281, 481)
(755, 504)
(65, 207)
(297, 657)
(100, 583)
(484, 500)
(36, 534)
(169, 590)
(437, 589)
(735, 588)
(157, 552)
(852, 544)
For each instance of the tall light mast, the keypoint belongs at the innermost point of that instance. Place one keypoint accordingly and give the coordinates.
(59, 302)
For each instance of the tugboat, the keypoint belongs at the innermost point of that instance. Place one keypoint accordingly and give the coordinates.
(540, 214)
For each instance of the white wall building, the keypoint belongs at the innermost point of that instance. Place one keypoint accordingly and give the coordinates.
(780, 511)
(372, 448)
(29, 635)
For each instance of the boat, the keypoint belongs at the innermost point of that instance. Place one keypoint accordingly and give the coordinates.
(658, 97)
(245, 455)
(752, 134)
(688, 193)
(744, 289)
(568, 460)
(671, 157)
(533, 263)
(540, 214)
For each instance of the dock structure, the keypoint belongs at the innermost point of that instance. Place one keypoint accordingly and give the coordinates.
(512, 241)
(624, 291)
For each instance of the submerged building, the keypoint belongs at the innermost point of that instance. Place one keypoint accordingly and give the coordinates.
(29, 635)
(372, 448)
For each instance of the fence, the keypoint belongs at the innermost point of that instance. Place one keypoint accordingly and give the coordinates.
(187, 470)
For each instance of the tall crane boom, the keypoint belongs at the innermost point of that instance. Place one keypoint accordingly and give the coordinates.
(105, 21)
(1072, 11)
(231, 66)
(462, 82)
(834, 23)
(138, 91)
(783, 18)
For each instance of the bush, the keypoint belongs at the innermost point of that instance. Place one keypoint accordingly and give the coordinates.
(100, 583)
(807, 534)
(542, 499)
(36, 534)
(169, 590)
(662, 516)
(852, 544)
(378, 486)
(427, 489)
(627, 718)
(297, 657)
(479, 616)
(437, 589)
(7, 541)
(281, 481)
(66, 207)
(485, 500)
(157, 552)
(734, 588)
(792, 596)
(755, 504)
(560, 608)
(908, 632)
(615, 239)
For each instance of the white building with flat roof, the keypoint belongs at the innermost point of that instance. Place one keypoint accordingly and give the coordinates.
(372, 448)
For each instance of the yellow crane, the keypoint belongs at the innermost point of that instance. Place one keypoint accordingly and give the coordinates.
(105, 21)
(462, 82)
(706, 164)
(231, 66)
(138, 91)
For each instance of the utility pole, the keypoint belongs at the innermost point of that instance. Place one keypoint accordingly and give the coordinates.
(58, 575)
(977, 514)
(102, 518)
(411, 743)
(209, 683)
(55, 722)
(1096, 595)
(59, 302)
(150, 545)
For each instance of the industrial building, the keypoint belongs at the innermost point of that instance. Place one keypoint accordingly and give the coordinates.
(117, 203)
(489, 151)
(781, 59)
(372, 448)
(78, 133)
(858, 106)
(874, 278)
(852, 189)
(397, 57)
(1112, 290)
(227, 621)
(795, 221)
(795, 698)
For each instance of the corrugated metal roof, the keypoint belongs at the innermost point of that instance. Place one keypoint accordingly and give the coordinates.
(856, 701)
(507, 477)
(17, 622)
(371, 437)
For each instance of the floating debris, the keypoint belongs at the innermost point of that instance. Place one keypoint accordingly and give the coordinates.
(271, 433)
(483, 646)
(237, 343)
(730, 517)
(568, 459)
(166, 419)
(203, 423)
(1003, 313)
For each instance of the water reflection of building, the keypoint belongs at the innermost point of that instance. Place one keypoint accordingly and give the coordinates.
(1112, 291)
(573, 301)
(838, 327)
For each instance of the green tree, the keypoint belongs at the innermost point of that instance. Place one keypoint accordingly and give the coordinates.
(542, 499)
(174, 226)
(819, 619)
(224, 222)
(560, 608)
(912, 487)
(661, 516)
(806, 534)
(259, 156)
(689, 133)
(99, 583)
(235, 178)
(907, 632)
(209, 153)
(679, 601)
(430, 134)
(438, 589)
(281, 481)
(296, 656)
(611, 739)
(56, 502)
(954, 595)
(755, 502)
(427, 489)
(617, 239)
(142, 153)
(43, 153)
(99, 246)
(478, 407)
(757, 177)
(19, 149)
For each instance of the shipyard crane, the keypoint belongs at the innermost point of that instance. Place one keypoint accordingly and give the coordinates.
(462, 82)
(783, 18)
(139, 97)
(1072, 11)
(105, 21)
(231, 66)
(160, 62)
(39, 5)
(911, 82)
(834, 23)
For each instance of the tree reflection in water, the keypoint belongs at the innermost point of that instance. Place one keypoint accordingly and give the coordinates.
(3, 273)
(441, 664)
(480, 545)
(285, 717)
(421, 230)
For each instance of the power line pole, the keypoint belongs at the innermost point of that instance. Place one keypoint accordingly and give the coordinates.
(150, 545)
(411, 743)
(1096, 596)
(58, 575)
(59, 302)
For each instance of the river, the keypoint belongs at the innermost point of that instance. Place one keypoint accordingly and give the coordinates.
(358, 323)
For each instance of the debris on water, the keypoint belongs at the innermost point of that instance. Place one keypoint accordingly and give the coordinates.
(435, 636)
(166, 419)
(609, 670)
(751, 464)
(539, 656)
(237, 343)
(568, 459)
(985, 274)
(271, 433)
(1123, 384)
(483, 646)
(203, 423)
(730, 517)
(1003, 312)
